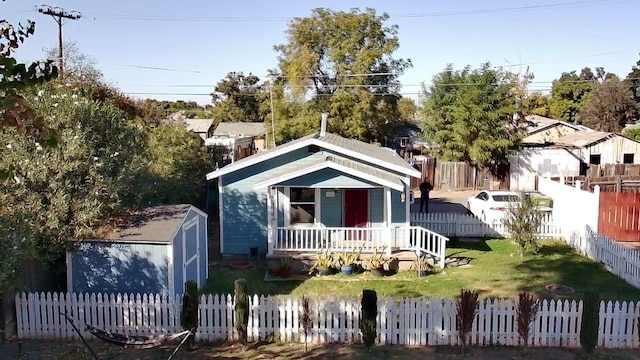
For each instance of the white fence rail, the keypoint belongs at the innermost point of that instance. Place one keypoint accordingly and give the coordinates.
(425, 241)
(332, 238)
(466, 225)
(411, 321)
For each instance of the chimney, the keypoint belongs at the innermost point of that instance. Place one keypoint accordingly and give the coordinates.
(323, 125)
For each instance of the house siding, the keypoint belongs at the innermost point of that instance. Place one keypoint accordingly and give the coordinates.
(611, 151)
(398, 209)
(329, 178)
(376, 207)
(548, 135)
(524, 167)
(110, 267)
(331, 208)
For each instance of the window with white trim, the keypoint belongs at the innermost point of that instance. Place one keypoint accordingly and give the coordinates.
(302, 206)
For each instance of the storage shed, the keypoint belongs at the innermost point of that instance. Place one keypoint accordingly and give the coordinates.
(155, 252)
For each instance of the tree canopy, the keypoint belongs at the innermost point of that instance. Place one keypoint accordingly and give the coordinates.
(238, 97)
(340, 63)
(609, 106)
(469, 116)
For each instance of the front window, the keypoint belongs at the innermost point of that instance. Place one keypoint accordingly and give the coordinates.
(303, 206)
(506, 198)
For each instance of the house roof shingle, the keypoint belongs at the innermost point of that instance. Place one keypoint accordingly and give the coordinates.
(583, 138)
(153, 224)
(239, 128)
(198, 125)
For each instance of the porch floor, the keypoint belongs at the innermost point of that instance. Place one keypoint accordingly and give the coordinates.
(401, 255)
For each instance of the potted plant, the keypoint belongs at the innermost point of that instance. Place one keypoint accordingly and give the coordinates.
(377, 263)
(422, 266)
(285, 270)
(323, 263)
(347, 260)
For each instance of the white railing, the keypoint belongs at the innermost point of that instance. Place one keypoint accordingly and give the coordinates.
(403, 321)
(465, 225)
(425, 241)
(333, 239)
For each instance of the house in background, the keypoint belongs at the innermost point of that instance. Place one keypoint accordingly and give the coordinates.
(238, 140)
(154, 252)
(548, 160)
(595, 147)
(200, 127)
(319, 192)
(407, 140)
(542, 130)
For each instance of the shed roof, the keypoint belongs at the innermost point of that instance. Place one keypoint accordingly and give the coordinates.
(240, 128)
(355, 148)
(537, 123)
(584, 138)
(153, 224)
(198, 125)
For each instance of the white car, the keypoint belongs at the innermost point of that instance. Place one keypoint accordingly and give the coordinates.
(492, 205)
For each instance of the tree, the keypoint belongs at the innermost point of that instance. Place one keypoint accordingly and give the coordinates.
(469, 116)
(407, 109)
(633, 81)
(14, 78)
(537, 104)
(342, 63)
(569, 92)
(238, 98)
(78, 67)
(522, 222)
(632, 132)
(609, 107)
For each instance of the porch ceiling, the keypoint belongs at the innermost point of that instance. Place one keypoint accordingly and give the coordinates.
(346, 166)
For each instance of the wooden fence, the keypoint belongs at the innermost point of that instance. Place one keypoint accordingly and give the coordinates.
(404, 321)
(465, 225)
(450, 176)
(619, 215)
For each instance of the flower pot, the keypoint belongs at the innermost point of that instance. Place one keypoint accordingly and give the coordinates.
(423, 273)
(377, 272)
(285, 272)
(347, 269)
(323, 270)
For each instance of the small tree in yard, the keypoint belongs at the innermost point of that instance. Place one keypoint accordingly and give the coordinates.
(522, 222)
(305, 319)
(368, 319)
(189, 315)
(466, 310)
(590, 321)
(526, 312)
(242, 309)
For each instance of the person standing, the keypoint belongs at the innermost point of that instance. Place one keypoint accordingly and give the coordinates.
(425, 188)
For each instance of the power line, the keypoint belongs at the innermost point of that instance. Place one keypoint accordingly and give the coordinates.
(405, 15)
(58, 14)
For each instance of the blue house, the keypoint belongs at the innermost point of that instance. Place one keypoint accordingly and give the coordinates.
(320, 192)
(155, 252)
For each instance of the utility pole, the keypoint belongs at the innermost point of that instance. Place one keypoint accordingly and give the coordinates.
(59, 15)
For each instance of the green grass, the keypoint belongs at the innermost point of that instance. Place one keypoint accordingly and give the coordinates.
(495, 271)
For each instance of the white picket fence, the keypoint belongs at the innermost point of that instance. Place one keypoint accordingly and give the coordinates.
(466, 225)
(407, 321)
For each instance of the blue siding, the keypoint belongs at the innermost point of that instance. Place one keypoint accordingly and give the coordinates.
(204, 253)
(329, 178)
(398, 209)
(376, 207)
(331, 208)
(109, 267)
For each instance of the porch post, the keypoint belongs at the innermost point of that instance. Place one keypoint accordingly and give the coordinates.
(270, 217)
(387, 218)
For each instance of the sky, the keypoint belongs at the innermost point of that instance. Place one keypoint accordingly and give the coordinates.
(200, 41)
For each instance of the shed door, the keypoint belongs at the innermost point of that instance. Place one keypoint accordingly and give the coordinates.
(190, 251)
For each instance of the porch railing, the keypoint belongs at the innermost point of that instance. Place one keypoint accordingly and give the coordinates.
(425, 241)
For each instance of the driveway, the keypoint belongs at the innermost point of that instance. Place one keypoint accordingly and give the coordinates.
(445, 201)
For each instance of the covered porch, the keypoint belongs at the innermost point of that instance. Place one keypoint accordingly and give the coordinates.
(344, 207)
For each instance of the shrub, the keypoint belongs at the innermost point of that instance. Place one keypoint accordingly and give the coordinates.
(590, 321)
(368, 318)
(466, 310)
(242, 309)
(305, 319)
(526, 313)
(522, 222)
(189, 314)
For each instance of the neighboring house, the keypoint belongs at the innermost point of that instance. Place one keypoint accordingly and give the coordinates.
(318, 192)
(595, 147)
(239, 139)
(541, 129)
(542, 160)
(201, 127)
(406, 139)
(155, 252)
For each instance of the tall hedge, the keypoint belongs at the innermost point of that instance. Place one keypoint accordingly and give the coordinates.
(242, 309)
(590, 321)
(368, 319)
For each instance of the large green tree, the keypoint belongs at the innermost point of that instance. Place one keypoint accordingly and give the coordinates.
(569, 92)
(609, 106)
(238, 97)
(341, 63)
(633, 81)
(469, 116)
(538, 104)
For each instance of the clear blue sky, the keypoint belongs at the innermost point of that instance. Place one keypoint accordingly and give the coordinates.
(205, 39)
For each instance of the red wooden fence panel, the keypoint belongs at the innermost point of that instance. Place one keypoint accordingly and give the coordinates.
(619, 216)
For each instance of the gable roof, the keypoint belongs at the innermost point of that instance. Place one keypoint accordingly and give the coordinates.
(348, 147)
(584, 138)
(156, 224)
(240, 128)
(538, 123)
(198, 125)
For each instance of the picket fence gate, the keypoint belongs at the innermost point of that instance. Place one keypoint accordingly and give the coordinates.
(466, 225)
(404, 321)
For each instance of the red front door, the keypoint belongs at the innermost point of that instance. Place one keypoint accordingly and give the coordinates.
(356, 212)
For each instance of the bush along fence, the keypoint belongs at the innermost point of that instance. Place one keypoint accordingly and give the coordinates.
(408, 321)
(465, 225)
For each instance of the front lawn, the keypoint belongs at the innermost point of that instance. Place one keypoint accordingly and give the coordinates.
(495, 270)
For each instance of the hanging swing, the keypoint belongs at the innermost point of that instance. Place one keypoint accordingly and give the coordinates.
(131, 341)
